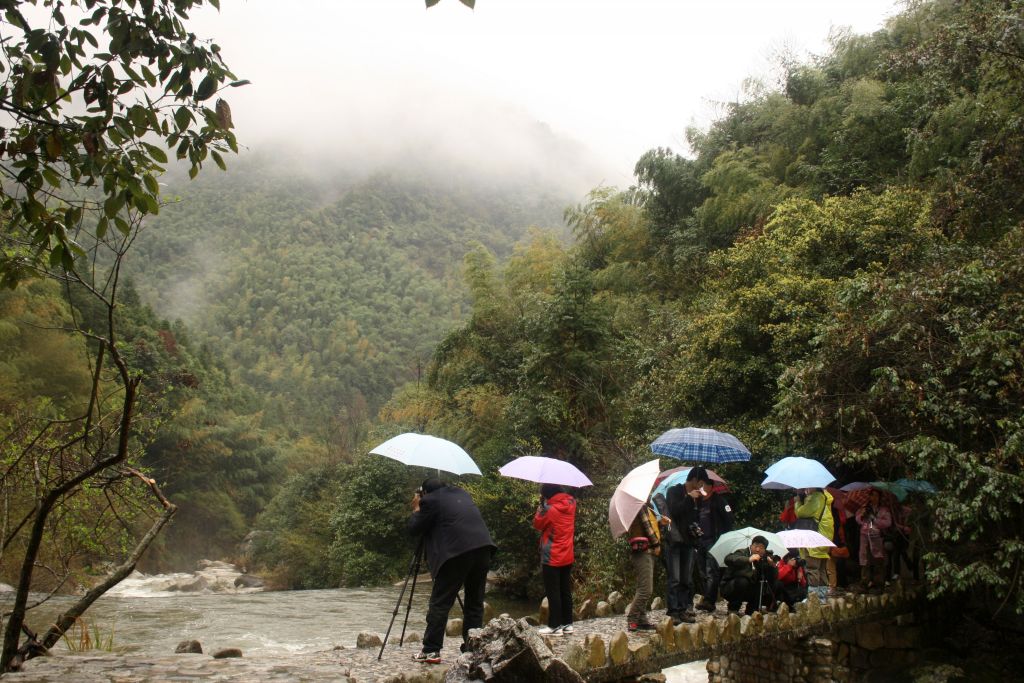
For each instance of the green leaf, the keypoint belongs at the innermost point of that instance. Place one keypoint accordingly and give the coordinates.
(51, 176)
(206, 88)
(159, 155)
(183, 118)
(431, 3)
(471, 4)
(219, 160)
(235, 84)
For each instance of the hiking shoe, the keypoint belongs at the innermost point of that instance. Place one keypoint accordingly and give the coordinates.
(567, 629)
(705, 606)
(689, 617)
(427, 657)
(642, 626)
(548, 631)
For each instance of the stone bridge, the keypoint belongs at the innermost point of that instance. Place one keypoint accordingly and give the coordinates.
(839, 640)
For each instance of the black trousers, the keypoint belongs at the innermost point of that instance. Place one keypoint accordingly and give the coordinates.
(741, 589)
(467, 570)
(558, 588)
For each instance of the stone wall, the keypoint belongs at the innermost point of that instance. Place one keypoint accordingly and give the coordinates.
(853, 653)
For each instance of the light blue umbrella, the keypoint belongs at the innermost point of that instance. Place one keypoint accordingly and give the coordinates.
(694, 444)
(428, 451)
(797, 472)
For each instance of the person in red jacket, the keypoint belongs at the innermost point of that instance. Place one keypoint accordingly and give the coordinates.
(792, 579)
(556, 522)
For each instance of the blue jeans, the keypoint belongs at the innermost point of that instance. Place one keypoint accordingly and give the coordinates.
(679, 563)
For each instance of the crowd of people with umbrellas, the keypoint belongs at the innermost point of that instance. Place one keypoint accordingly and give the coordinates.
(682, 516)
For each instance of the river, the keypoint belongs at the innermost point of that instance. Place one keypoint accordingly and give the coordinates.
(146, 620)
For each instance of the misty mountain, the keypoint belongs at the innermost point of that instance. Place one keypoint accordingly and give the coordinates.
(324, 290)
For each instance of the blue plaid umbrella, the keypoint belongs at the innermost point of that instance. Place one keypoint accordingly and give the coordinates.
(700, 445)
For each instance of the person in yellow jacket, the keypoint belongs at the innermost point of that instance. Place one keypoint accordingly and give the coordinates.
(816, 504)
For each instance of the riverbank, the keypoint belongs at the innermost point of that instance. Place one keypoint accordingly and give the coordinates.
(342, 663)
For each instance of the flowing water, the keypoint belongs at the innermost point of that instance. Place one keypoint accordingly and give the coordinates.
(149, 620)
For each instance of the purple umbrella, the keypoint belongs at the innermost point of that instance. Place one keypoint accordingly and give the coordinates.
(545, 471)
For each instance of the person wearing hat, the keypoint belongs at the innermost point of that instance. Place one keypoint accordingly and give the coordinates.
(459, 548)
(750, 577)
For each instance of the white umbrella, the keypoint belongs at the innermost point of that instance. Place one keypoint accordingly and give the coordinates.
(630, 495)
(805, 538)
(428, 451)
(731, 541)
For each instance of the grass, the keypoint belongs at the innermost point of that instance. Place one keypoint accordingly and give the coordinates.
(83, 636)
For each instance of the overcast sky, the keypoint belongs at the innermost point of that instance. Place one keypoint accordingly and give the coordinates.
(620, 76)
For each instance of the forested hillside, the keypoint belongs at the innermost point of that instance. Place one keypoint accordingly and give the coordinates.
(835, 269)
(324, 292)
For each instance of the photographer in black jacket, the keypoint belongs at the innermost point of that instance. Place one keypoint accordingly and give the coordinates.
(751, 577)
(459, 549)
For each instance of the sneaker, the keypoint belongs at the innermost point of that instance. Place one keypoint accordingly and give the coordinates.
(567, 629)
(427, 657)
(642, 626)
(688, 617)
(705, 606)
(548, 631)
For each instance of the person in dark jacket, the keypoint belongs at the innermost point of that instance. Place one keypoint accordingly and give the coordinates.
(683, 501)
(745, 570)
(459, 549)
(714, 515)
(556, 521)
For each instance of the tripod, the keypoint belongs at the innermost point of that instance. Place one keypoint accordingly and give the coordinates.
(413, 573)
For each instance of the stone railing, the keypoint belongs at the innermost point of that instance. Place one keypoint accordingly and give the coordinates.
(780, 646)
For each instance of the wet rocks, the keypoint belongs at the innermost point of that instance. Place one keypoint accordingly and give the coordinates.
(453, 627)
(508, 650)
(248, 581)
(189, 647)
(368, 639)
(227, 653)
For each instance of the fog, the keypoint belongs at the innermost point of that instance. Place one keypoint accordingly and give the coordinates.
(378, 82)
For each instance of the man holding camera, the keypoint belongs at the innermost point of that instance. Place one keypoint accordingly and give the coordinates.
(792, 578)
(459, 548)
(750, 576)
(683, 504)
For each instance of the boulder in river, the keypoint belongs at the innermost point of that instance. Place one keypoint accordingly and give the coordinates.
(194, 586)
(367, 639)
(248, 581)
(227, 653)
(189, 647)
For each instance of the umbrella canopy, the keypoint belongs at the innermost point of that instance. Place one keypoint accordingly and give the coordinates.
(916, 485)
(797, 472)
(731, 541)
(805, 538)
(631, 495)
(427, 451)
(858, 492)
(700, 445)
(544, 470)
(677, 475)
